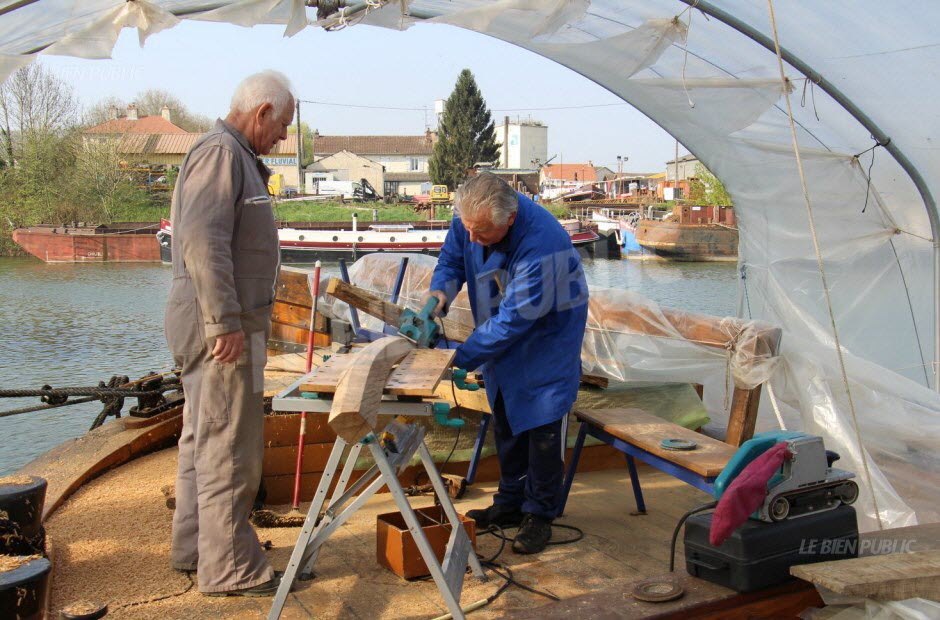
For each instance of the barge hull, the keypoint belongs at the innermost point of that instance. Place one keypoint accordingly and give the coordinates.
(689, 242)
(54, 245)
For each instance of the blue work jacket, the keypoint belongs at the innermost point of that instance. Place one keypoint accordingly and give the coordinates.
(529, 303)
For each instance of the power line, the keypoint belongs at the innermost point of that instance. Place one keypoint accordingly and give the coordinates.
(561, 107)
(422, 109)
(356, 105)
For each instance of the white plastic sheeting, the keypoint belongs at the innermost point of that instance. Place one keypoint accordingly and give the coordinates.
(629, 338)
(719, 92)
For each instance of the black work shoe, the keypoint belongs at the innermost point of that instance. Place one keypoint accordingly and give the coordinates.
(503, 516)
(268, 588)
(534, 534)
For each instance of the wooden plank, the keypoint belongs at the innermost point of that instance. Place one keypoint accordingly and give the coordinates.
(282, 460)
(743, 416)
(892, 577)
(646, 431)
(293, 285)
(294, 315)
(420, 372)
(701, 328)
(327, 376)
(283, 429)
(389, 313)
(355, 408)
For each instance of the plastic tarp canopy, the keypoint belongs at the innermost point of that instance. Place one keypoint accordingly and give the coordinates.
(710, 76)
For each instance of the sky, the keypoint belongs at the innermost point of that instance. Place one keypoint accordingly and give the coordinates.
(201, 63)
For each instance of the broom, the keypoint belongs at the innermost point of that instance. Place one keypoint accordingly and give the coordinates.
(295, 518)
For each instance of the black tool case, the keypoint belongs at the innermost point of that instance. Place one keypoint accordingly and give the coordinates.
(758, 554)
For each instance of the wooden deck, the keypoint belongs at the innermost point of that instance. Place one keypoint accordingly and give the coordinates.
(111, 543)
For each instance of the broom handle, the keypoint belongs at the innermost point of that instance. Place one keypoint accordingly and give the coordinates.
(303, 415)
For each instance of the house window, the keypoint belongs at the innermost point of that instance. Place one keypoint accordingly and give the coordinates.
(414, 164)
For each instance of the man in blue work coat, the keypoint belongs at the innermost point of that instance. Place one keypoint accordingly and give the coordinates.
(529, 298)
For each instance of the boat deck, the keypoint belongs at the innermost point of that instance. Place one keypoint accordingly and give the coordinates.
(110, 542)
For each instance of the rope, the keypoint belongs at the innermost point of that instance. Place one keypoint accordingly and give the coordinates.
(6, 414)
(819, 263)
(730, 348)
(776, 407)
(685, 60)
(86, 391)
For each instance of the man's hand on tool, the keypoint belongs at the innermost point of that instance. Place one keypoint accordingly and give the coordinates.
(442, 308)
(228, 347)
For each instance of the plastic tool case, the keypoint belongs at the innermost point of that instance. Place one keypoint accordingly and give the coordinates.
(759, 554)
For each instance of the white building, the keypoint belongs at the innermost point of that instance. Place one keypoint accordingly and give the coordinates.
(522, 144)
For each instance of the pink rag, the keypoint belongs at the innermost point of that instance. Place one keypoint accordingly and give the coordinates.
(746, 493)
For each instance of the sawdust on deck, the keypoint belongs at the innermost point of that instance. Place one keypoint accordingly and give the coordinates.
(111, 545)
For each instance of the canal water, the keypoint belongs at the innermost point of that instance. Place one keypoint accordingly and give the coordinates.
(76, 325)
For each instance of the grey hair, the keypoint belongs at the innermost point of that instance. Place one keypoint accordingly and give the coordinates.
(265, 87)
(486, 193)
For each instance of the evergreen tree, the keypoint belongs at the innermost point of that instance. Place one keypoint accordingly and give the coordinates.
(465, 135)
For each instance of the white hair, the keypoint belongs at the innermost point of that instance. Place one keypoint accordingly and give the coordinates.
(486, 193)
(265, 87)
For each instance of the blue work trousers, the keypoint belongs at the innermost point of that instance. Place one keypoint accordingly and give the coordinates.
(531, 464)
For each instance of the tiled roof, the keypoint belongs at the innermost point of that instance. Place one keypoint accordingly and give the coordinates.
(408, 177)
(179, 144)
(570, 172)
(373, 145)
(144, 125)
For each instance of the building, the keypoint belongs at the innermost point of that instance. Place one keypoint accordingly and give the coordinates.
(685, 169)
(404, 159)
(558, 179)
(147, 141)
(523, 145)
(675, 185)
(344, 166)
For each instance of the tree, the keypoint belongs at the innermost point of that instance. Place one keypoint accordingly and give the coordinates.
(100, 185)
(706, 189)
(307, 134)
(465, 134)
(33, 102)
(100, 112)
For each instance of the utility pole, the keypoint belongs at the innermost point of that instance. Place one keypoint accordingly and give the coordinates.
(675, 192)
(300, 153)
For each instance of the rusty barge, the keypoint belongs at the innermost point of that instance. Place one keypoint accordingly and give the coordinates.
(128, 242)
(691, 233)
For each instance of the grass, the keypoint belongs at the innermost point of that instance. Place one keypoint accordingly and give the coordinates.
(320, 211)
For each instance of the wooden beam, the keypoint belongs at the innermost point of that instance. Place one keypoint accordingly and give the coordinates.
(355, 408)
(893, 577)
(743, 416)
(387, 312)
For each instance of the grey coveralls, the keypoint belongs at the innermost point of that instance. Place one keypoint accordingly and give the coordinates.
(225, 261)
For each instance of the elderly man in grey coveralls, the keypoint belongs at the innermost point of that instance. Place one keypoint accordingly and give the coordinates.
(218, 319)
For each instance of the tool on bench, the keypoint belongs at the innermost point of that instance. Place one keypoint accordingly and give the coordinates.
(419, 327)
(777, 491)
(459, 376)
(805, 483)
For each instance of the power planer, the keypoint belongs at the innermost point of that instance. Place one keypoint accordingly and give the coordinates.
(419, 327)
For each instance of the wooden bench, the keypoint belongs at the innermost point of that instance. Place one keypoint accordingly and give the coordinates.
(639, 434)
